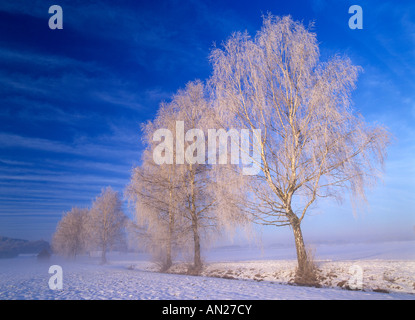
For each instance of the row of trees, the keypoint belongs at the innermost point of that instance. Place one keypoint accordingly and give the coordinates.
(312, 145)
(99, 228)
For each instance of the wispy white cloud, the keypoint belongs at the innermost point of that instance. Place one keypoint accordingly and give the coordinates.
(43, 61)
(143, 102)
(110, 146)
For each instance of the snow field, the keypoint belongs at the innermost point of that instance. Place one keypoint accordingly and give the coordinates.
(231, 273)
(378, 275)
(118, 280)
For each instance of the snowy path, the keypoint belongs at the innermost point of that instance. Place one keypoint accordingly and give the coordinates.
(28, 279)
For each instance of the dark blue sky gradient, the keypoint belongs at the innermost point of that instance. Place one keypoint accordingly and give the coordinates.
(71, 100)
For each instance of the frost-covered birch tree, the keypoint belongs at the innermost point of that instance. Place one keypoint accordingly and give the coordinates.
(106, 221)
(203, 196)
(313, 143)
(192, 110)
(154, 192)
(70, 237)
(174, 190)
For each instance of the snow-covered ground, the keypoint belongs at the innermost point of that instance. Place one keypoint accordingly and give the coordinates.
(257, 274)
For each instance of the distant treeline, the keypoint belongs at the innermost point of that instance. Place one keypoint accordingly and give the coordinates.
(10, 248)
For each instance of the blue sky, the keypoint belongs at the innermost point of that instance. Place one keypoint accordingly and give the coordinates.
(71, 100)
